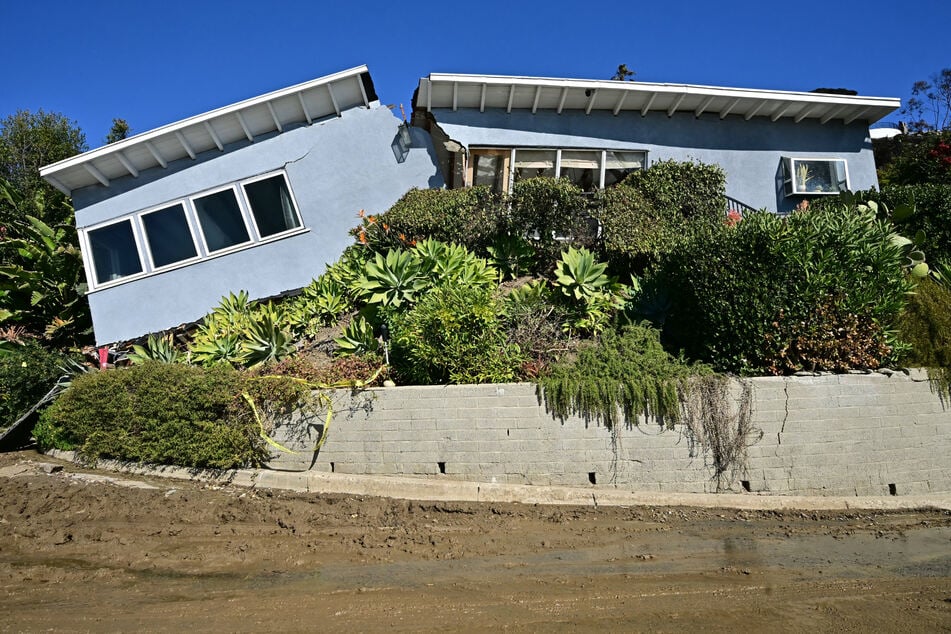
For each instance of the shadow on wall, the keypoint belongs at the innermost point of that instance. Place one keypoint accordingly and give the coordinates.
(687, 131)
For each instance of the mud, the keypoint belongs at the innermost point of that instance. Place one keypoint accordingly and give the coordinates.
(87, 551)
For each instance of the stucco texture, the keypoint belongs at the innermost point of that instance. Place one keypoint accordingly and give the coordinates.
(335, 168)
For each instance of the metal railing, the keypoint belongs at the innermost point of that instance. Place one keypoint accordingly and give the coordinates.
(737, 206)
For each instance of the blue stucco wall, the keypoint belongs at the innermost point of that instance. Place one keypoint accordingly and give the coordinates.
(335, 168)
(749, 151)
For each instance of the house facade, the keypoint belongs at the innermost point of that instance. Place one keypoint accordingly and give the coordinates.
(261, 195)
(776, 147)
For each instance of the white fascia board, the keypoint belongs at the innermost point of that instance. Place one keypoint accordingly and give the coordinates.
(171, 128)
(754, 94)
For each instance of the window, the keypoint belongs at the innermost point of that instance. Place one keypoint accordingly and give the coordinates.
(534, 164)
(815, 176)
(114, 251)
(618, 165)
(168, 236)
(490, 168)
(221, 221)
(582, 168)
(588, 169)
(241, 215)
(271, 205)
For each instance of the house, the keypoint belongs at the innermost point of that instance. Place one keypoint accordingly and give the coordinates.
(774, 146)
(260, 195)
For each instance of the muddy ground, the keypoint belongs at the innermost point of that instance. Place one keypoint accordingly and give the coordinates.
(79, 552)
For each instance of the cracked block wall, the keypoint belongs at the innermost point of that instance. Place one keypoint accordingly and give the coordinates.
(837, 434)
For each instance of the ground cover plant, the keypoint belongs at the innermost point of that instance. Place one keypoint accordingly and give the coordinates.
(623, 376)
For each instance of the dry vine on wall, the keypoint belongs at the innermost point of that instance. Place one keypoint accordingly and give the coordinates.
(722, 429)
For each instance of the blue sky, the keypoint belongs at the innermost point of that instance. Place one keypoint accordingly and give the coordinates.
(155, 62)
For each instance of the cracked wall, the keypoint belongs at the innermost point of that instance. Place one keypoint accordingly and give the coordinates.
(851, 434)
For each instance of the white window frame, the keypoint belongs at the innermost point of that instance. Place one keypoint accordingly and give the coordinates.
(250, 211)
(242, 209)
(790, 186)
(89, 262)
(602, 160)
(144, 253)
(189, 221)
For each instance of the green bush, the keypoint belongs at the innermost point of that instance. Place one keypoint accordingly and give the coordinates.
(926, 326)
(27, 373)
(932, 214)
(157, 413)
(695, 190)
(627, 373)
(635, 234)
(650, 211)
(470, 217)
(915, 159)
(453, 335)
(552, 213)
(819, 290)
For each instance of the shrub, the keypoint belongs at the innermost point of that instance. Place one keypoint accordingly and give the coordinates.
(926, 326)
(915, 159)
(695, 190)
(27, 373)
(551, 212)
(535, 324)
(765, 295)
(627, 373)
(649, 213)
(454, 335)
(157, 413)
(634, 233)
(932, 214)
(470, 217)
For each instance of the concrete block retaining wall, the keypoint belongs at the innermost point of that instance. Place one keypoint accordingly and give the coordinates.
(853, 434)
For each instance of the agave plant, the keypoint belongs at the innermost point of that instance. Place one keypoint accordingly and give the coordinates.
(320, 304)
(579, 276)
(476, 272)
(347, 270)
(224, 349)
(232, 314)
(156, 349)
(267, 338)
(512, 255)
(392, 281)
(358, 338)
(453, 264)
(528, 294)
